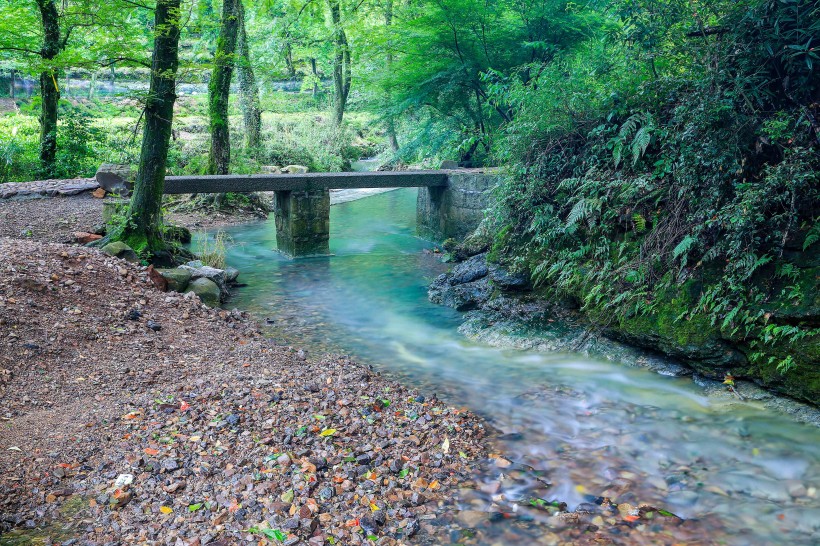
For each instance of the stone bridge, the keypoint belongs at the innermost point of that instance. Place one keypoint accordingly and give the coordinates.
(451, 203)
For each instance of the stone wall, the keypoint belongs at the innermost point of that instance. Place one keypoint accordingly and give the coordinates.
(456, 210)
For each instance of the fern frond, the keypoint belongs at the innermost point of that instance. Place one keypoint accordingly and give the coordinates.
(812, 236)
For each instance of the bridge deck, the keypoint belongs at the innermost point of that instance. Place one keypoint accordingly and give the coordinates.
(303, 182)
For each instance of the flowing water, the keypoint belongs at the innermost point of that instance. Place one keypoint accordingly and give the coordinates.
(592, 427)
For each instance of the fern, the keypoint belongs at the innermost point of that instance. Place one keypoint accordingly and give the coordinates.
(582, 210)
(641, 142)
(683, 248)
(638, 128)
(640, 222)
(812, 236)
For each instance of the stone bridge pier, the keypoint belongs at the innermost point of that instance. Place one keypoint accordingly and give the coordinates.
(451, 203)
(303, 222)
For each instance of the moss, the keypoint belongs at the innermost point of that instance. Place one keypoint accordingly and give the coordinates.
(693, 339)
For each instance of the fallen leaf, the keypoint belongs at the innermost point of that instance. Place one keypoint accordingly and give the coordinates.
(328, 432)
(166, 509)
(151, 451)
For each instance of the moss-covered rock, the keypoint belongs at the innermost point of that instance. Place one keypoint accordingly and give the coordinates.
(178, 278)
(693, 339)
(714, 351)
(118, 249)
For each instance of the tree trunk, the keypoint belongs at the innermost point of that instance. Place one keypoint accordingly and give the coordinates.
(315, 71)
(248, 89)
(12, 90)
(219, 89)
(390, 122)
(289, 59)
(141, 230)
(341, 63)
(49, 89)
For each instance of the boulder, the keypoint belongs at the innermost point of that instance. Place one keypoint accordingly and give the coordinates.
(178, 278)
(469, 270)
(178, 234)
(213, 274)
(295, 169)
(118, 249)
(270, 169)
(461, 297)
(115, 178)
(506, 280)
(207, 291)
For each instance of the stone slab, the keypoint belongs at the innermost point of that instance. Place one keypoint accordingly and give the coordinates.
(303, 182)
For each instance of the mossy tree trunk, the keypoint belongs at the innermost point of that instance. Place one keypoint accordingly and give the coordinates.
(341, 62)
(49, 90)
(219, 89)
(141, 229)
(248, 89)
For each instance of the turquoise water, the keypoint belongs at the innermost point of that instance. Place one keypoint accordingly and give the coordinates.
(594, 427)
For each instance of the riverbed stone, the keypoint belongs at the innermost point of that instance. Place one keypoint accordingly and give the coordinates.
(217, 276)
(207, 290)
(178, 278)
(118, 249)
(231, 274)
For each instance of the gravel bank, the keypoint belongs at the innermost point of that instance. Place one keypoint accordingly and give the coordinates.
(224, 436)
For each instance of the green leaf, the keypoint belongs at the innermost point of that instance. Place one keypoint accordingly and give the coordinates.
(194, 507)
(404, 472)
(275, 534)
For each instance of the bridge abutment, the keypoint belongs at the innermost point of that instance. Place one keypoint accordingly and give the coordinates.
(454, 210)
(303, 222)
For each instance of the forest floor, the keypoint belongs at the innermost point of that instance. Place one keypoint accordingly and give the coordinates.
(133, 416)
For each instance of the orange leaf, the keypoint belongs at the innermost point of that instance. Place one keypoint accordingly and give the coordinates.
(234, 506)
(183, 406)
(632, 518)
(151, 451)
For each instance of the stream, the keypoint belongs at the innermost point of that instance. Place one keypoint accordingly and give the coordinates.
(591, 427)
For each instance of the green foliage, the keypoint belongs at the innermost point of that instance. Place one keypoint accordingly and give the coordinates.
(723, 171)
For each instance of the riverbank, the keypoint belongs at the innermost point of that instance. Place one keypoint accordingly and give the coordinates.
(131, 415)
(504, 311)
(136, 416)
